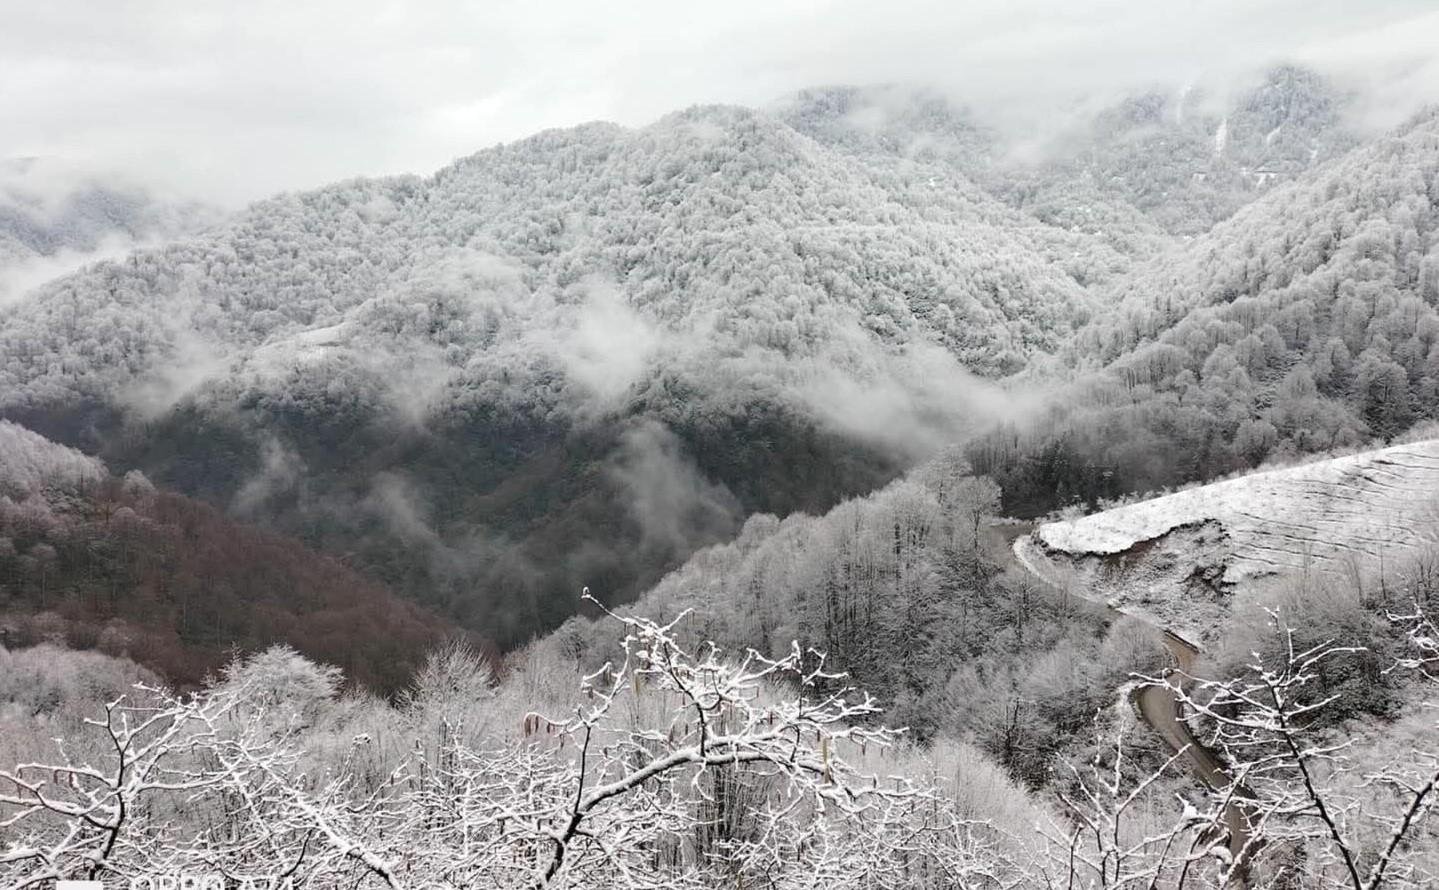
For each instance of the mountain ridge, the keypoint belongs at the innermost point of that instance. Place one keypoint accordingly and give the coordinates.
(626, 340)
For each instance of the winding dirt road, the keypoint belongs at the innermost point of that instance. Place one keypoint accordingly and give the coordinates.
(1162, 710)
(1160, 706)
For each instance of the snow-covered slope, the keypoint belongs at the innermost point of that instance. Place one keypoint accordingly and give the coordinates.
(1189, 160)
(562, 320)
(29, 461)
(1185, 559)
(609, 341)
(722, 237)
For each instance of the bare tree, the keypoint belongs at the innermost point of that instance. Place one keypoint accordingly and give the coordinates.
(1119, 832)
(1308, 822)
(675, 769)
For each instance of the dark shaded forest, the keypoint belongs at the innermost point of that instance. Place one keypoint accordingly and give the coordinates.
(99, 562)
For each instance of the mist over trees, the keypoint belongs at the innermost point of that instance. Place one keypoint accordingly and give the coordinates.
(765, 385)
(454, 377)
(57, 216)
(96, 562)
(801, 325)
(1304, 324)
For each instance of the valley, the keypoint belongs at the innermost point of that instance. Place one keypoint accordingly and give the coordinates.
(866, 487)
(621, 343)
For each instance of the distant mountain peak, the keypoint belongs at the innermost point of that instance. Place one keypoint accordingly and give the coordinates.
(48, 205)
(890, 119)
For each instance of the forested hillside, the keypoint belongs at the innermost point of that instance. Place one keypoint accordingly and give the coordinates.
(909, 591)
(574, 359)
(637, 507)
(92, 561)
(1307, 322)
(601, 344)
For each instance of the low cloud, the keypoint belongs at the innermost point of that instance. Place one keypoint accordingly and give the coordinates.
(281, 472)
(407, 512)
(194, 360)
(403, 509)
(26, 272)
(677, 509)
(1393, 66)
(912, 403)
(609, 347)
(237, 103)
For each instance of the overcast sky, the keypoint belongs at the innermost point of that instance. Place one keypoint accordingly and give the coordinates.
(234, 101)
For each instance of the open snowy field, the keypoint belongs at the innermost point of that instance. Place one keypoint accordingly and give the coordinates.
(1184, 560)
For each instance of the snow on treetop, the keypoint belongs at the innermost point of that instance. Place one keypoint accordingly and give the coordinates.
(29, 461)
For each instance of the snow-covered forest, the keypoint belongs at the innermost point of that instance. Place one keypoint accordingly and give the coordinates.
(664, 330)
(674, 763)
(847, 491)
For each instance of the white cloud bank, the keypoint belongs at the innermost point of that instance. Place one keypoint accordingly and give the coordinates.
(231, 102)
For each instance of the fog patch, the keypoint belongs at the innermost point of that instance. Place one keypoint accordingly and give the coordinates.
(415, 384)
(194, 360)
(395, 501)
(57, 216)
(676, 507)
(608, 348)
(19, 277)
(469, 552)
(910, 402)
(281, 472)
(1394, 68)
(415, 340)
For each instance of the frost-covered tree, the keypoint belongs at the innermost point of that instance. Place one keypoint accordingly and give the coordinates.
(671, 768)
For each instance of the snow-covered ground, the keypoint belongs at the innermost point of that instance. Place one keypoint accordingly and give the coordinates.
(1184, 560)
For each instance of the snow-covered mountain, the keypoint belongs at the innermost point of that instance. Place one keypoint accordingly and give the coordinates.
(1171, 161)
(1187, 160)
(895, 123)
(765, 384)
(615, 344)
(1305, 322)
(720, 225)
(674, 325)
